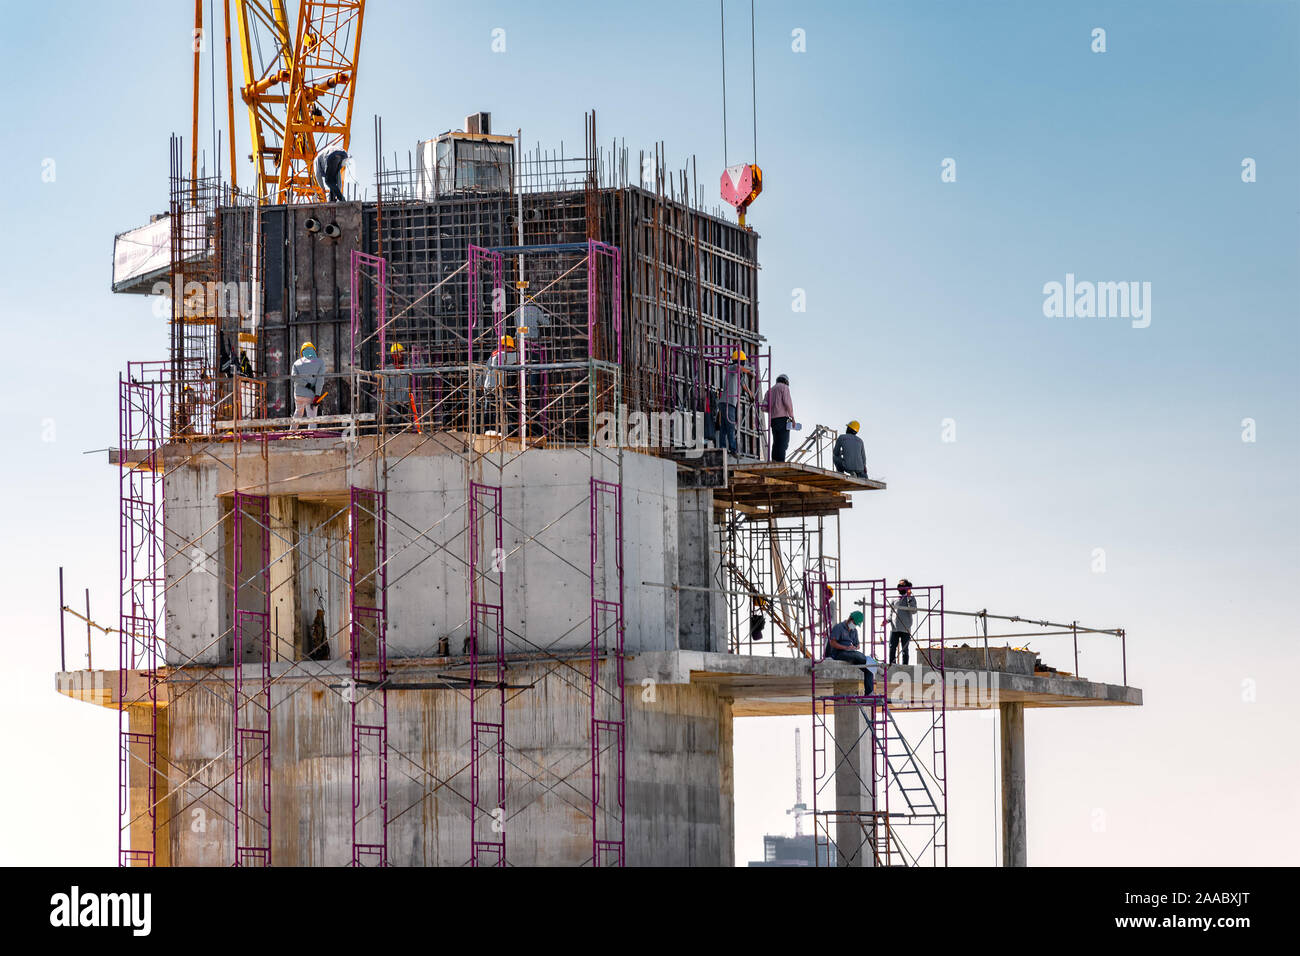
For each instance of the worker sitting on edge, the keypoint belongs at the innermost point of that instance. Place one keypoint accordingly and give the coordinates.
(733, 384)
(308, 374)
(780, 412)
(849, 455)
(843, 645)
(900, 623)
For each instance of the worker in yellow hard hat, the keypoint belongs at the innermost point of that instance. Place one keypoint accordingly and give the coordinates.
(849, 455)
(828, 604)
(734, 385)
(494, 382)
(308, 376)
(398, 406)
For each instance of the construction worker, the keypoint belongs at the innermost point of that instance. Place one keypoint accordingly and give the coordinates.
(397, 387)
(843, 645)
(308, 374)
(330, 164)
(780, 413)
(733, 386)
(494, 382)
(902, 609)
(849, 456)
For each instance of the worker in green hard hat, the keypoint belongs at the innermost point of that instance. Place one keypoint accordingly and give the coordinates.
(843, 645)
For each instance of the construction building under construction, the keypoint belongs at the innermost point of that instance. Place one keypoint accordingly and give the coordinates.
(502, 599)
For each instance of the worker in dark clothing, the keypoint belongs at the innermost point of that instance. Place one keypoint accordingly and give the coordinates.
(849, 455)
(843, 645)
(903, 609)
(329, 172)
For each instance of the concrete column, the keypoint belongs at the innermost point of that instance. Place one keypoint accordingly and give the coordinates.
(289, 637)
(701, 614)
(851, 760)
(140, 721)
(727, 781)
(1014, 836)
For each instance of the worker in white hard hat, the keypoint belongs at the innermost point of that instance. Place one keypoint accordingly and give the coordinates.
(734, 384)
(849, 455)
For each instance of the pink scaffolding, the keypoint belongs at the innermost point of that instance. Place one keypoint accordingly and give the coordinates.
(368, 607)
(487, 678)
(251, 658)
(902, 782)
(140, 438)
(608, 710)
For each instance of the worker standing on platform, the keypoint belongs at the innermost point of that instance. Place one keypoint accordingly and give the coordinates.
(398, 387)
(494, 386)
(733, 385)
(843, 645)
(780, 413)
(849, 455)
(308, 375)
(900, 623)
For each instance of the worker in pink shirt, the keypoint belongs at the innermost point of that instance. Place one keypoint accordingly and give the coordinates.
(780, 413)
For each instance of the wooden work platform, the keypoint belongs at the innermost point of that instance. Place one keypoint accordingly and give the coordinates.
(782, 686)
(778, 489)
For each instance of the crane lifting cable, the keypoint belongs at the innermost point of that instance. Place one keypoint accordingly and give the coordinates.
(740, 183)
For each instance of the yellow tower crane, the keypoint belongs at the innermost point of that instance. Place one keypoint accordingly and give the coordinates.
(299, 85)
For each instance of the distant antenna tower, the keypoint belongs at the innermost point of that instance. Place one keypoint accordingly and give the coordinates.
(799, 808)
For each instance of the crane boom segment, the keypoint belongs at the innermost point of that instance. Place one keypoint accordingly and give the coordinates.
(299, 84)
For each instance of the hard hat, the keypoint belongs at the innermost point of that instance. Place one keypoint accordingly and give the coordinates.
(305, 347)
(738, 355)
(856, 617)
(396, 347)
(508, 341)
(829, 589)
(854, 425)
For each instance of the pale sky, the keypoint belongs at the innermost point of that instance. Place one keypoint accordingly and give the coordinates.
(924, 304)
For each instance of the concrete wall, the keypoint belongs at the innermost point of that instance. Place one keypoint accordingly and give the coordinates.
(678, 807)
(702, 614)
(546, 546)
(546, 542)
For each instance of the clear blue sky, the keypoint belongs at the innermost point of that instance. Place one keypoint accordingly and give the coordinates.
(924, 304)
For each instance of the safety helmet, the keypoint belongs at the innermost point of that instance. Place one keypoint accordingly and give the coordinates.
(396, 347)
(854, 425)
(738, 355)
(856, 617)
(508, 341)
(305, 347)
